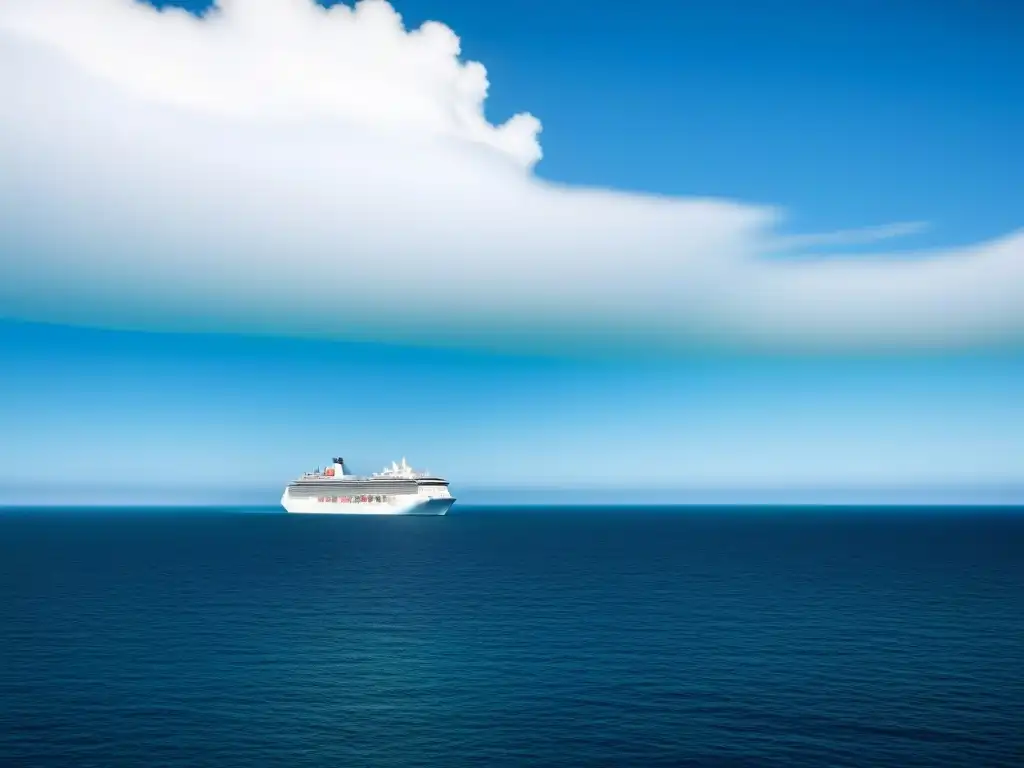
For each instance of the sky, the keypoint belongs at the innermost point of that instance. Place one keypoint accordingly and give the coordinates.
(734, 251)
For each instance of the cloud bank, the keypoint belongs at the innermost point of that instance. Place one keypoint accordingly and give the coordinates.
(277, 167)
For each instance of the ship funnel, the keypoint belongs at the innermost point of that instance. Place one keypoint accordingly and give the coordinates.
(339, 467)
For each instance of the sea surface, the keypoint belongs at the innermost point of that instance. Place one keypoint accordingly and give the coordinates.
(512, 637)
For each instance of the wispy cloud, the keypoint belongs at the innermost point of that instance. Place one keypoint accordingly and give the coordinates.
(847, 237)
(279, 167)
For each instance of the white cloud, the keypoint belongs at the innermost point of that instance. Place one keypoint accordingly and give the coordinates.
(275, 166)
(851, 236)
(282, 61)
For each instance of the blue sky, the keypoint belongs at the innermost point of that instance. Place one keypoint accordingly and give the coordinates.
(845, 115)
(183, 417)
(842, 111)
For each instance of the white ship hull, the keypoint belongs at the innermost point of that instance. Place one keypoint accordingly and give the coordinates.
(417, 505)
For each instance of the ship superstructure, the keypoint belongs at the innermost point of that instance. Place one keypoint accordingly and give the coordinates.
(395, 490)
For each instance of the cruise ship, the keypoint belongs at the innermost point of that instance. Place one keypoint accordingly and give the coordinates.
(396, 490)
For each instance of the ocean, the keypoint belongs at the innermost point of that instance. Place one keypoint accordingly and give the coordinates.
(513, 637)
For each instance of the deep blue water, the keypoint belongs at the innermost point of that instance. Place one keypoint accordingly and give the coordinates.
(514, 637)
